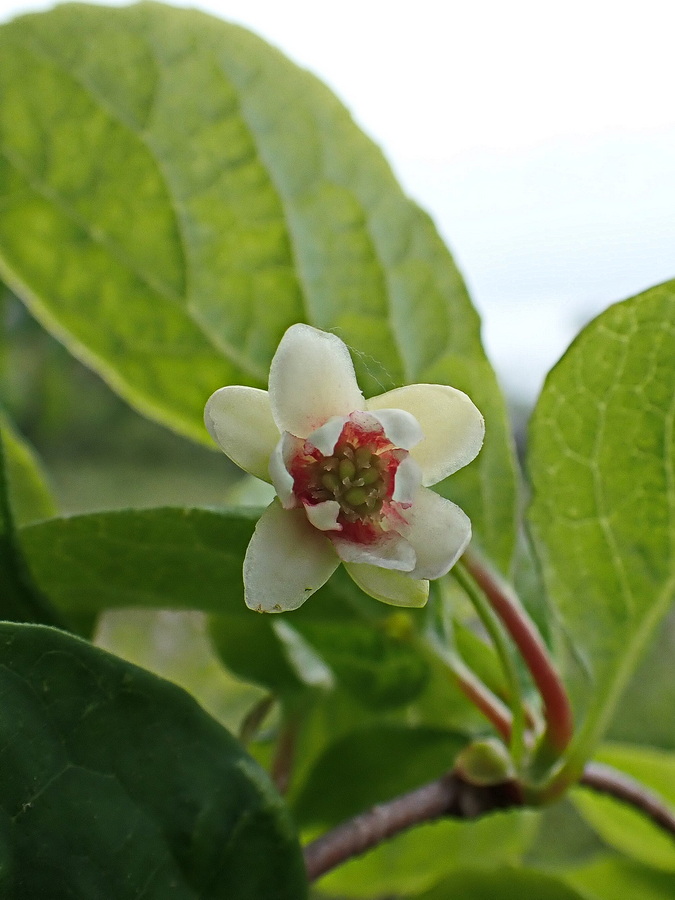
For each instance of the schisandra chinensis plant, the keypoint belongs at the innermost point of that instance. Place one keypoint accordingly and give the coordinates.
(351, 475)
(174, 195)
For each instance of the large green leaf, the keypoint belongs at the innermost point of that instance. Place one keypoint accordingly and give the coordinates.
(602, 462)
(619, 824)
(114, 783)
(161, 558)
(176, 193)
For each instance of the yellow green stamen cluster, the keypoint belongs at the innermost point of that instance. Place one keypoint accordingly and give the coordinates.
(354, 477)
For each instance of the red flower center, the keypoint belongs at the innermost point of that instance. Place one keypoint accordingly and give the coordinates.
(359, 476)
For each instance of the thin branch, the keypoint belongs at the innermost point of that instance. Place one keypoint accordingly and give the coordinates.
(607, 780)
(557, 708)
(452, 796)
(284, 754)
(448, 796)
(254, 718)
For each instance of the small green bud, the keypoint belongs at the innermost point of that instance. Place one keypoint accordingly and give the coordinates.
(485, 762)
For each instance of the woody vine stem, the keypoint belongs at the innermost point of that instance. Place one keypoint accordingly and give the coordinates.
(451, 796)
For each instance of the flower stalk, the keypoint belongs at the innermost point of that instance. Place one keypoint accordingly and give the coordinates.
(496, 633)
(557, 708)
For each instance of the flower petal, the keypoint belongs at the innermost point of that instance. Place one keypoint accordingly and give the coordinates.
(311, 379)
(395, 588)
(286, 561)
(453, 427)
(391, 551)
(239, 420)
(326, 437)
(281, 478)
(401, 427)
(324, 515)
(408, 481)
(438, 530)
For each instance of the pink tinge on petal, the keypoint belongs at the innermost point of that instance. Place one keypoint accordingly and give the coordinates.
(389, 551)
(325, 438)
(283, 454)
(408, 481)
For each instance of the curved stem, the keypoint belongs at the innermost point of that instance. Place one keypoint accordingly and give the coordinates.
(254, 719)
(452, 796)
(284, 755)
(448, 796)
(608, 780)
(494, 629)
(557, 708)
(481, 696)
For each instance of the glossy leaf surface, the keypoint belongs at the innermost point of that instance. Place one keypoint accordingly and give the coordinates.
(115, 783)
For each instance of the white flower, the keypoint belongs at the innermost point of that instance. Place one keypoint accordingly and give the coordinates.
(350, 475)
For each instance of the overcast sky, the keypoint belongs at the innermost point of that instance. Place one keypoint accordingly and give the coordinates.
(540, 137)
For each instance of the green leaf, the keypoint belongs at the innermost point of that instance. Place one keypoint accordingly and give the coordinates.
(29, 494)
(371, 765)
(117, 784)
(172, 259)
(417, 860)
(504, 884)
(161, 558)
(249, 648)
(192, 559)
(381, 670)
(20, 598)
(564, 838)
(602, 463)
(622, 826)
(610, 877)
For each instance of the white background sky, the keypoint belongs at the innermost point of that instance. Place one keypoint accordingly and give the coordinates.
(540, 136)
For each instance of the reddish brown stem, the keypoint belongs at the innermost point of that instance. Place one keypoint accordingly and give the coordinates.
(607, 780)
(448, 796)
(483, 699)
(282, 764)
(557, 709)
(452, 796)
